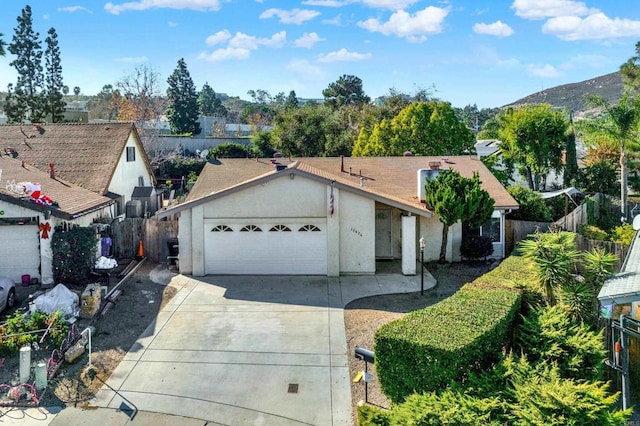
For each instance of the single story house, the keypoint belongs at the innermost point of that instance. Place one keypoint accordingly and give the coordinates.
(105, 158)
(321, 216)
(34, 205)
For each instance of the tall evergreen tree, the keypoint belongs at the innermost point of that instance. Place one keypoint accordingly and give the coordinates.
(209, 104)
(291, 101)
(455, 198)
(55, 106)
(571, 171)
(2, 45)
(28, 64)
(182, 111)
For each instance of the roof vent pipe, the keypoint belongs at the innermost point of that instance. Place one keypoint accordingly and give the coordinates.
(362, 182)
(52, 171)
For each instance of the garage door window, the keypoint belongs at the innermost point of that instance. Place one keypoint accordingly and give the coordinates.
(251, 228)
(221, 228)
(309, 228)
(280, 228)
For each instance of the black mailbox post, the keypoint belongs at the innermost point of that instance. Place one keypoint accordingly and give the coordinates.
(367, 356)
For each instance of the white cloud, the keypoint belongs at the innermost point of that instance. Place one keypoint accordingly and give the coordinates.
(217, 38)
(596, 26)
(133, 59)
(325, 3)
(225, 54)
(343, 55)
(389, 4)
(403, 24)
(585, 61)
(498, 29)
(72, 9)
(305, 69)
(544, 71)
(200, 5)
(276, 40)
(333, 21)
(293, 16)
(246, 41)
(541, 9)
(308, 40)
(172, 24)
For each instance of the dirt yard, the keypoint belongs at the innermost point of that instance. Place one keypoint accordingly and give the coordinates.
(363, 317)
(144, 293)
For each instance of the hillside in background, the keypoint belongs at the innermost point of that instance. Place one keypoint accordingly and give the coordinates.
(572, 96)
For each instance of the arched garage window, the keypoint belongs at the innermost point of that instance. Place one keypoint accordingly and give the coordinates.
(280, 228)
(309, 228)
(251, 228)
(221, 228)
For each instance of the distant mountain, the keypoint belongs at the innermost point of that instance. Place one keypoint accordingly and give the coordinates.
(571, 96)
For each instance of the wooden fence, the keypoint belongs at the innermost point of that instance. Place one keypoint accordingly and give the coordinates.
(154, 234)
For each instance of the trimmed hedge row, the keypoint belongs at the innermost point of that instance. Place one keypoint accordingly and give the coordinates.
(428, 349)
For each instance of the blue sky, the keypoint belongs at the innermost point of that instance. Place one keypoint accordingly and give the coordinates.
(487, 52)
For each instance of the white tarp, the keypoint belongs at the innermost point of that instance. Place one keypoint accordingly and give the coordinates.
(59, 298)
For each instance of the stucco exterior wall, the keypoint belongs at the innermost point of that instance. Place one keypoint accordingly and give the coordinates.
(357, 234)
(281, 197)
(431, 230)
(125, 177)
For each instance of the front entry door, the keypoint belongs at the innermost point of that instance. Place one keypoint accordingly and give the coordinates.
(384, 248)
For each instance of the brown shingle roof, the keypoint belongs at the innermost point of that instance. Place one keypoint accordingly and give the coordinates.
(72, 200)
(85, 154)
(393, 178)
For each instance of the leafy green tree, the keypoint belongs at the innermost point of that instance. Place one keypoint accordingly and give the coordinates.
(618, 125)
(423, 128)
(599, 177)
(490, 130)
(494, 164)
(262, 144)
(2, 45)
(182, 110)
(532, 205)
(65, 90)
(55, 106)
(102, 105)
(630, 72)
(347, 90)
(209, 104)
(533, 138)
(455, 198)
(25, 45)
(291, 101)
(76, 91)
(301, 132)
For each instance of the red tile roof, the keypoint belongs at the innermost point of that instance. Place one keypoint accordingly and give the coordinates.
(85, 154)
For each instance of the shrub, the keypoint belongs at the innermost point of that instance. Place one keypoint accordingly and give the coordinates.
(476, 247)
(230, 150)
(15, 333)
(428, 349)
(592, 232)
(532, 205)
(623, 234)
(73, 254)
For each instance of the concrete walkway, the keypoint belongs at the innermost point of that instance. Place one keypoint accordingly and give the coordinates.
(240, 350)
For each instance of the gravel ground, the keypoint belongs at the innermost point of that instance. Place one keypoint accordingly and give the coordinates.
(364, 316)
(143, 294)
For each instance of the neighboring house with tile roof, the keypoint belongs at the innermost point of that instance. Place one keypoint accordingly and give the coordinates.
(105, 158)
(320, 216)
(26, 225)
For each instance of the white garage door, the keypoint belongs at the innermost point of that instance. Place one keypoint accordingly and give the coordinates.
(19, 251)
(282, 247)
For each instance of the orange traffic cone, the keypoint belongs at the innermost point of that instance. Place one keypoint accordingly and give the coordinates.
(140, 253)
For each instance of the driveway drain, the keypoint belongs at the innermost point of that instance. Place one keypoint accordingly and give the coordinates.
(293, 388)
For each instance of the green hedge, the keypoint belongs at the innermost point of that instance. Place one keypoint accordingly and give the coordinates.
(428, 349)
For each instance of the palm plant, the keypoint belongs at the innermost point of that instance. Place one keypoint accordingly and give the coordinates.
(618, 127)
(554, 256)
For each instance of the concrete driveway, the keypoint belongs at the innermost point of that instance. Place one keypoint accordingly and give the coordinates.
(237, 350)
